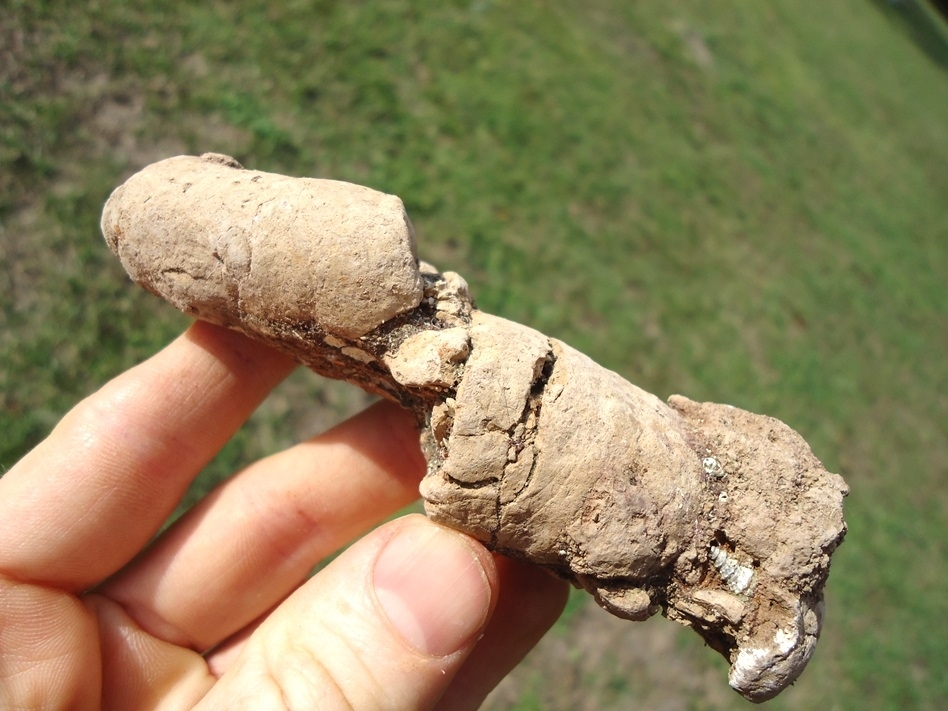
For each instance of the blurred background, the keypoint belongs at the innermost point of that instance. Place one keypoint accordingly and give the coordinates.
(742, 202)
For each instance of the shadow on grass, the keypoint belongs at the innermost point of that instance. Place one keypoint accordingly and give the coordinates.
(920, 21)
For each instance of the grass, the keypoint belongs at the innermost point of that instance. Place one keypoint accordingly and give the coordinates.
(743, 204)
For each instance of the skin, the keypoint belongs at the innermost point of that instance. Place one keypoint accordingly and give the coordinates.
(217, 612)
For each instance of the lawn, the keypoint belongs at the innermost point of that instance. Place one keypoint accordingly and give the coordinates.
(743, 204)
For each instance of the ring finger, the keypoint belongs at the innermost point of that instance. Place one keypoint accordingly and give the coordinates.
(248, 544)
(87, 499)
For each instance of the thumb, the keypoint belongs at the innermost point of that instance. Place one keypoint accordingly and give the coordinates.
(384, 626)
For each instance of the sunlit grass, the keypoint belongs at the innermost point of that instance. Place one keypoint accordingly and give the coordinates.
(743, 204)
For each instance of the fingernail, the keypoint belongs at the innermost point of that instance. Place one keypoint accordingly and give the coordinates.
(433, 588)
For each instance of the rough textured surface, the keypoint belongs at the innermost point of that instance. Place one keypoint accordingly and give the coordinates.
(721, 519)
(344, 254)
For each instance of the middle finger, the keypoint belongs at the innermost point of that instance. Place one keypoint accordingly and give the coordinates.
(251, 541)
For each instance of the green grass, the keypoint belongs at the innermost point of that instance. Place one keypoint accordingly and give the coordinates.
(741, 203)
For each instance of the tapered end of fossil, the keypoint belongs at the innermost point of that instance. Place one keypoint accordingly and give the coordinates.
(770, 525)
(721, 518)
(765, 665)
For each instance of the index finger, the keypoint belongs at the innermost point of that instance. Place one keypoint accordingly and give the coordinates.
(90, 496)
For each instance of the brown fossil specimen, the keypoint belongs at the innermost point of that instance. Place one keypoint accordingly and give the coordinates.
(723, 520)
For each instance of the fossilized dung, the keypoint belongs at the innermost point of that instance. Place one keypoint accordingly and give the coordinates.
(721, 519)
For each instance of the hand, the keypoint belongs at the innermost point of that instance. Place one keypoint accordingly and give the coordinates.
(217, 613)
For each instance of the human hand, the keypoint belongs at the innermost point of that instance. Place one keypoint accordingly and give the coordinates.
(217, 613)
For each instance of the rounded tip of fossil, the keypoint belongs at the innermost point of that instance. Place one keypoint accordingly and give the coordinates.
(766, 665)
(229, 245)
